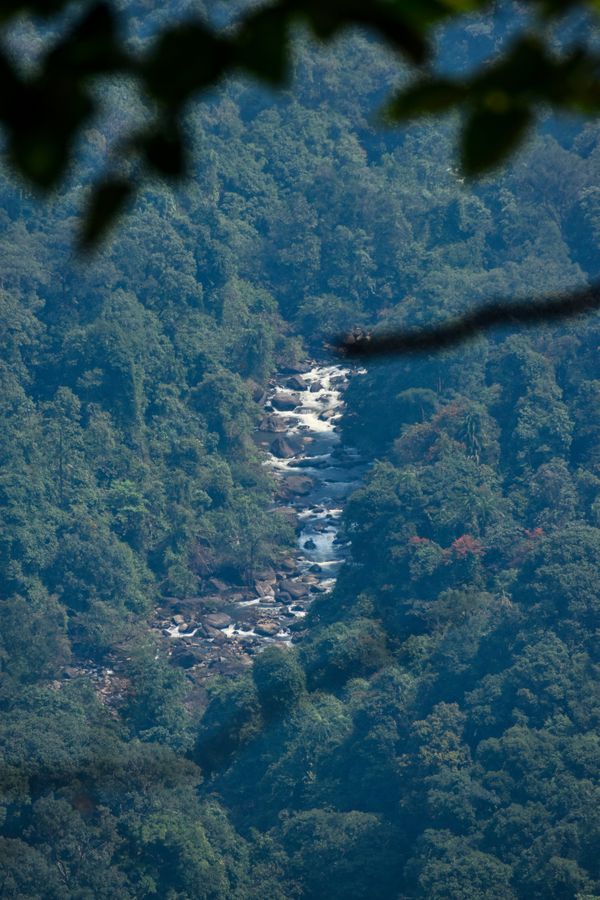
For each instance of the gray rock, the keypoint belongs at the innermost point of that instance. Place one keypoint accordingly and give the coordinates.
(274, 424)
(263, 588)
(297, 383)
(298, 484)
(217, 636)
(267, 629)
(186, 657)
(328, 414)
(295, 589)
(284, 402)
(282, 449)
(218, 620)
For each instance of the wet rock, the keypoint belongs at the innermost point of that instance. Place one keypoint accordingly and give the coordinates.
(293, 368)
(309, 544)
(315, 568)
(218, 620)
(248, 641)
(263, 588)
(297, 383)
(259, 394)
(274, 423)
(284, 402)
(215, 634)
(283, 597)
(295, 589)
(185, 657)
(310, 464)
(316, 387)
(298, 484)
(282, 449)
(328, 414)
(267, 628)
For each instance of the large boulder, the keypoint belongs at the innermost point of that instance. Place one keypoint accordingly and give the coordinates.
(284, 402)
(282, 449)
(217, 636)
(218, 620)
(297, 383)
(258, 392)
(295, 589)
(267, 628)
(276, 424)
(185, 656)
(299, 485)
(328, 414)
(293, 368)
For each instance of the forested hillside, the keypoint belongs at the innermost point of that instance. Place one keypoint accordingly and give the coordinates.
(434, 732)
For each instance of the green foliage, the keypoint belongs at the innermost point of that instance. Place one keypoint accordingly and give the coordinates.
(191, 56)
(434, 731)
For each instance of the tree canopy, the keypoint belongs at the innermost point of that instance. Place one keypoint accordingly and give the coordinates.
(48, 102)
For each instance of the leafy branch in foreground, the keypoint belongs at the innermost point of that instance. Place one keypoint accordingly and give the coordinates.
(45, 112)
(500, 313)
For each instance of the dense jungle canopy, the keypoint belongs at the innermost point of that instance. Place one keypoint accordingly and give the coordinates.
(434, 733)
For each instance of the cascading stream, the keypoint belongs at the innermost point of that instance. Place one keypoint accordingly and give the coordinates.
(218, 631)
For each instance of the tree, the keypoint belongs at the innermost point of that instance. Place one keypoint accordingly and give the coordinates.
(43, 112)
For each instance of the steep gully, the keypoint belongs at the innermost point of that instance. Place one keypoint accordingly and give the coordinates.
(219, 631)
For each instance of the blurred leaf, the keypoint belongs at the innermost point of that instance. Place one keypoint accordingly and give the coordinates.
(107, 201)
(11, 8)
(490, 135)
(12, 88)
(424, 98)
(90, 47)
(328, 17)
(43, 126)
(262, 45)
(184, 60)
(163, 149)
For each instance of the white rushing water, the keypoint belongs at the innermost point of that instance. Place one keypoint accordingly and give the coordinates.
(315, 475)
(335, 470)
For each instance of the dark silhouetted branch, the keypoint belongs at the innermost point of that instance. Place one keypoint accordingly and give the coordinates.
(499, 313)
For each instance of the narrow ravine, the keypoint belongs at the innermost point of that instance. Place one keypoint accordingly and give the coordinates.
(219, 631)
(315, 472)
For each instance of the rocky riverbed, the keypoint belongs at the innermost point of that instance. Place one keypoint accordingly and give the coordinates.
(219, 631)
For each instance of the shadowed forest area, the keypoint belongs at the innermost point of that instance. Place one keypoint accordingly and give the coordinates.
(432, 730)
